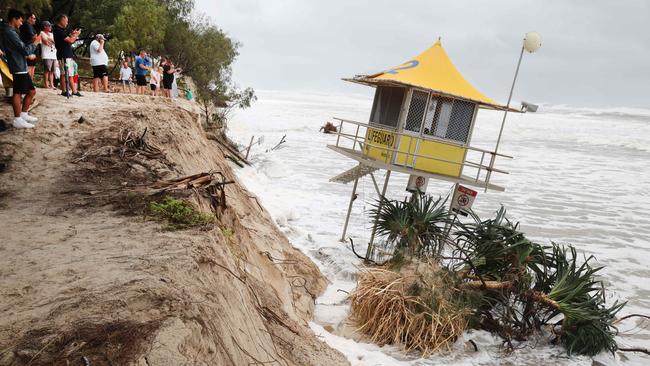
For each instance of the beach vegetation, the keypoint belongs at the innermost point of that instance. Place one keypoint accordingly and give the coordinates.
(411, 227)
(27, 5)
(415, 308)
(178, 214)
(483, 274)
(139, 24)
(227, 232)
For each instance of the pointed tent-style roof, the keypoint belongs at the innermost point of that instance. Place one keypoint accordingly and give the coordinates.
(432, 70)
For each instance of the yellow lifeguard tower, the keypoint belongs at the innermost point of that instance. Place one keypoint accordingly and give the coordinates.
(421, 124)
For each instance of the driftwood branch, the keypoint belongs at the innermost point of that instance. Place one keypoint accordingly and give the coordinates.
(211, 183)
(277, 146)
(359, 256)
(488, 285)
(328, 128)
(634, 349)
(235, 154)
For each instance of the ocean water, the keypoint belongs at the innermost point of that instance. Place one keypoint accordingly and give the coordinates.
(579, 176)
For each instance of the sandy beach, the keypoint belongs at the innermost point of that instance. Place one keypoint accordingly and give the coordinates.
(78, 279)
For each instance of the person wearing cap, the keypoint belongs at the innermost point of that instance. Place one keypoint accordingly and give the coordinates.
(48, 54)
(99, 63)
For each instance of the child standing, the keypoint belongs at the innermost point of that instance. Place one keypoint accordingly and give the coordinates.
(154, 82)
(126, 75)
(75, 77)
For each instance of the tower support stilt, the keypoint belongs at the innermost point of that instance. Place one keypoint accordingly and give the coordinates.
(347, 217)
(374, 227)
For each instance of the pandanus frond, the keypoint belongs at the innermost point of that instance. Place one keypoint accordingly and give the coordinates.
(587, 326)
(496, 246)
(537, 284)
(590, 337)
(414, 226)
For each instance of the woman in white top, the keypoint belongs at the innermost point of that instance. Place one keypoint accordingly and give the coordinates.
(48, 54)
(154, 82)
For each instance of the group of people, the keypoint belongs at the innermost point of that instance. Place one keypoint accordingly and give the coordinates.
(19, 48)
(161, 77)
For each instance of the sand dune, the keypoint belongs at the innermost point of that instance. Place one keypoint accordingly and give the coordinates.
(81, 279)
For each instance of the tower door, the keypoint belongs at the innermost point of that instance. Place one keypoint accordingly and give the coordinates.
(408, 143)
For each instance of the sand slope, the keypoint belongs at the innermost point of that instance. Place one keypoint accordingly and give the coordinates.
(80, 279)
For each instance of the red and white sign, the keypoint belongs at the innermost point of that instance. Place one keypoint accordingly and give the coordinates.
(417, 183)
(463, 199)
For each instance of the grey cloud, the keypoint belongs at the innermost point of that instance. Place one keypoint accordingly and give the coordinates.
(594, 53)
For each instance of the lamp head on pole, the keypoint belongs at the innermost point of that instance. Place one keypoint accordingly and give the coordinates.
(532, 41)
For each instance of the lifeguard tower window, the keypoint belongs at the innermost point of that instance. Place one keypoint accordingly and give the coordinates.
(449, 119)
(387, 105)
(417, 108)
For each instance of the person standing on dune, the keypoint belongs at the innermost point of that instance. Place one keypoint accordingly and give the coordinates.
(27, 34)
(154, 81)
(17, 55)
(168, 77)
(142, 65)
(48, 55)
(63, 40)
(99, 63)
(126, 74)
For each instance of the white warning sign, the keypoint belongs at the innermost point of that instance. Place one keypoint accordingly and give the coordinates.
(417, 183)
(463, 200)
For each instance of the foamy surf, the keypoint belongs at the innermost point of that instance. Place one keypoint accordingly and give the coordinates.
(576, 178)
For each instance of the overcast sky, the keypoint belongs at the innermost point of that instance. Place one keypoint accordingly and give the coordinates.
(594, 53)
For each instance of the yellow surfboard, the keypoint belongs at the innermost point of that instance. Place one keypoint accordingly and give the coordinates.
(4, 69)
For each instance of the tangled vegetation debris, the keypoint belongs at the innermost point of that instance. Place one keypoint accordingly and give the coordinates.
(415, 307)
(489, 276)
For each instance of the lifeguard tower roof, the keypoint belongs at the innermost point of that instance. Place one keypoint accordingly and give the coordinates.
(431, 70)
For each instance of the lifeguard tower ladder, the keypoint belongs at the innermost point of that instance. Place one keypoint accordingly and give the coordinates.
(421, 124)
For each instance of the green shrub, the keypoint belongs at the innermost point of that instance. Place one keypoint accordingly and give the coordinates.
(179, 214)
(227, 232)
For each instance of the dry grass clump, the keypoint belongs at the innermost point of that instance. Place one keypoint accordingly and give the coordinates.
(417, 310)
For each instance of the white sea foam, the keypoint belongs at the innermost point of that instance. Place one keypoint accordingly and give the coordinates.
(579, 176)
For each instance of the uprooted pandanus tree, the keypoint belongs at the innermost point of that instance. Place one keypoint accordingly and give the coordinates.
(489, 276)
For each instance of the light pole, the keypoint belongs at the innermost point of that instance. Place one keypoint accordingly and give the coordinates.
(532, 42)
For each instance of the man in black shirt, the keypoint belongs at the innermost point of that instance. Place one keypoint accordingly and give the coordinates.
(63, 40)
(27, 34)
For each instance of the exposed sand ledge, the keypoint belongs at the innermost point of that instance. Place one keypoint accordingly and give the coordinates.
(79, 280)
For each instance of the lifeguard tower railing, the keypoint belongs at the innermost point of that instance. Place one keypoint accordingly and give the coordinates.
(400, 152)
